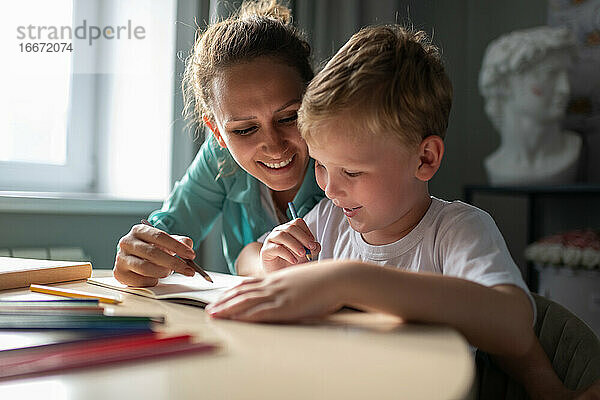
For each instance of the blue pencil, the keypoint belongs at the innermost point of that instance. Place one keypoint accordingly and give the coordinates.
(294, 216)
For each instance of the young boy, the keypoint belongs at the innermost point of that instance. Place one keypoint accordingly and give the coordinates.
(374, 120)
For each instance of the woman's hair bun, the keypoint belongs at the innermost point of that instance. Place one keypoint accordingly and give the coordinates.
(265, 8)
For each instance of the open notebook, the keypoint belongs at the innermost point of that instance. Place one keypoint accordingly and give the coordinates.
(182, 289)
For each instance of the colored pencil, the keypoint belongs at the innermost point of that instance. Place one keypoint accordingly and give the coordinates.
(76, 294)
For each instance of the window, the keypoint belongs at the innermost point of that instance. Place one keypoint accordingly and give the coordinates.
(38, 148)
(135, 92)
(94, 119)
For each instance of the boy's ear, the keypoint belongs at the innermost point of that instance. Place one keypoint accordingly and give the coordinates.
(215, 130)
(431, 151)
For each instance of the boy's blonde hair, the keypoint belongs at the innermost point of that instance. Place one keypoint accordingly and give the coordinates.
(389, 79)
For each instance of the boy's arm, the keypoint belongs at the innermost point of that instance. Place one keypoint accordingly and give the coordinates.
(495, 319)
(535, 372)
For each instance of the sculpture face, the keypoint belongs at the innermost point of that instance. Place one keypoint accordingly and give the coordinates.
(541, 92)
(524, 80)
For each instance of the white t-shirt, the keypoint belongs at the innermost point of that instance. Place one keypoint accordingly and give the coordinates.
(452, 239)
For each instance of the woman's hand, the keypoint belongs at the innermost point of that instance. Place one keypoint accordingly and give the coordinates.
(146, 254)
(286, 244)
(311, 290)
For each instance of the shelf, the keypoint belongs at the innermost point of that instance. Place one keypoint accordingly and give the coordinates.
(535, 196)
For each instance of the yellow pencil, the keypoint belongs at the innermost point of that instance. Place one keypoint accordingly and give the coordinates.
(76, 294)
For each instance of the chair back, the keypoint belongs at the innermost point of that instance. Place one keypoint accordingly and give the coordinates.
(571, 345)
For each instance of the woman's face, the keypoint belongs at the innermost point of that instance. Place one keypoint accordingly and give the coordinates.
(255, 108)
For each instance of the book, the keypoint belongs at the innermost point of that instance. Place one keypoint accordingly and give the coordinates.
(16, 311)
(52, 303)
(92, 321)
(22, 272)
(178, 288)
(94, 352)
(67, 306)
(46, 338)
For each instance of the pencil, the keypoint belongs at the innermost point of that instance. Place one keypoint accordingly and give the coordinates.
(76, 294)
(294, 216)
(189, 262)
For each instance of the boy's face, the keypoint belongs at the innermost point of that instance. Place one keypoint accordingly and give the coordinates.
(372, 178)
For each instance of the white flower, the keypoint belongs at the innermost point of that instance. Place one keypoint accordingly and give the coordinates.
(575, 249)
(551, 253)
(571, 256)
(590, 258)
(532, 252)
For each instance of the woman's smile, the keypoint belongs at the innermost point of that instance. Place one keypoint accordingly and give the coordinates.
(278, 165)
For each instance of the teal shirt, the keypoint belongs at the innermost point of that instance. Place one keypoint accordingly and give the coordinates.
(205, 192)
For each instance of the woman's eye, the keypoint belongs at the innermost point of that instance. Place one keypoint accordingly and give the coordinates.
(352, 174)
(244, 132)
(289, 119)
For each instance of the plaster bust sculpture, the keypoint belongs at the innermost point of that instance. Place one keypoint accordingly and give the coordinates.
(525, 84)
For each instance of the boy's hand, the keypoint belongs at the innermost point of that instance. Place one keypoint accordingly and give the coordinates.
(286, 244)
(146, 254)
(287, 295)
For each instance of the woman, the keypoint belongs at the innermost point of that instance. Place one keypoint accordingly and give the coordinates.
(244, 79)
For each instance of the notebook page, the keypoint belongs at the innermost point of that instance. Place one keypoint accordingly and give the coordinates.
(177, 285)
